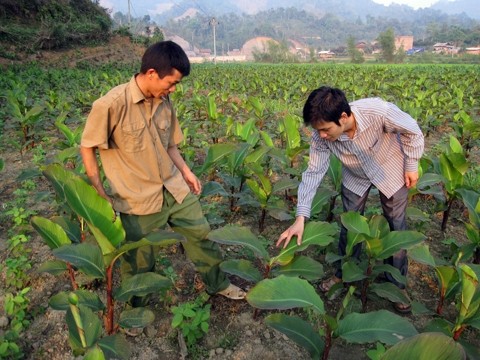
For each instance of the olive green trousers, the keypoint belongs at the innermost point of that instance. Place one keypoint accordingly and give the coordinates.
(186, 219)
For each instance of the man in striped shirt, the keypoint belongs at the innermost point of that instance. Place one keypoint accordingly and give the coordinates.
(379, 145)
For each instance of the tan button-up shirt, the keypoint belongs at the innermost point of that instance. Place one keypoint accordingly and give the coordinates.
(133, 134)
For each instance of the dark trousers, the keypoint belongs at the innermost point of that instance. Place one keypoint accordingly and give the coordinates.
(394, 210)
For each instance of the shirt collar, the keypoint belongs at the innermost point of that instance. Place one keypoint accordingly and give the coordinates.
(137, 95)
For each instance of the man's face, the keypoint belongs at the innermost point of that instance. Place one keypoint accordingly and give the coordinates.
(161, 87)
(328, 130)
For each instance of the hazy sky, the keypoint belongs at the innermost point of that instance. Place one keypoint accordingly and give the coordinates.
(413, 3)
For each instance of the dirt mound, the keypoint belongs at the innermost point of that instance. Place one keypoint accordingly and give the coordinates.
(120, 49)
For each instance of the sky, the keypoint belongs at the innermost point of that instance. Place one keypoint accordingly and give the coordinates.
(416, 4)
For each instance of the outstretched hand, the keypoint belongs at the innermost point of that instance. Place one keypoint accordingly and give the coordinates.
(295, 230)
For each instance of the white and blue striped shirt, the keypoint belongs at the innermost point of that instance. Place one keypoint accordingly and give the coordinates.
(387, 143)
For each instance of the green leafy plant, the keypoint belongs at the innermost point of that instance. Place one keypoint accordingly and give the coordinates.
(286, 262)
(96, 258)
(471, 200)
(448, 170)
(282, 293)
(192, 319)
(380, 243)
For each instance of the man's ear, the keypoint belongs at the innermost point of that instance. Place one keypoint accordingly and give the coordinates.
(150, 73)
(343, 118)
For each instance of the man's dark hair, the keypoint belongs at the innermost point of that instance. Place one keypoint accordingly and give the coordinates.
(325, 104)
(163, 57)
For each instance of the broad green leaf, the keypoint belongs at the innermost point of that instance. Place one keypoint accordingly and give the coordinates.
(212, 108)
(94, 353)
(302, 266)
(451, 175)
(91, 326)
(238, 235)
(298, 330)
(335, 172)
(86, 298)
(459, 163)
(284, 293)
(397, 240)
(416, 214)
(156, 238)
(379, 227)
(315, 233)
(57, 175)
(259, 193)
(141, 285)
(469, 283)
(213, 188)
(86, 257)
(97, 212)
(421, 254)
(267, 139)
(471, 199)
(285, 184)
(321, 198)
(54, 267)
(390, 292)
(257, 155)
(351, 272)
(354, 239)
(216, 153)
(356, 223)
(455, 145)
(382, 326)
(115, 347)
(291, 132)
(427, 345)
(241, 268)
(237, 158)
(52, 233)
(71, 228)
(448, 278)
(136, 318)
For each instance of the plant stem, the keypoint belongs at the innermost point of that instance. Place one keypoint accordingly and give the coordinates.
(71, 274)
(110, 303)
(446, 214)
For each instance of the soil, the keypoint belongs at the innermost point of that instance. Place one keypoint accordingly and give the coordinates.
(236, 331)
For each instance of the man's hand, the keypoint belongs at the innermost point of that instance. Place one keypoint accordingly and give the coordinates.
(193, 182)
(295, 230)
(411, 178)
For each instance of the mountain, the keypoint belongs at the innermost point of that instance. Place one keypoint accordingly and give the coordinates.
(469, 7)
(163, 10)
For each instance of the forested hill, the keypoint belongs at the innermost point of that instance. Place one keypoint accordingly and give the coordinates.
(30, 25)
(327, 31)
(345, 9)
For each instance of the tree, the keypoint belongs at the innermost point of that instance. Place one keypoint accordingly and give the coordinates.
(356, 55)
(387, 42)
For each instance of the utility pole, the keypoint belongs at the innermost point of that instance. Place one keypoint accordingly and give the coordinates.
(129, 18)
(214, 23)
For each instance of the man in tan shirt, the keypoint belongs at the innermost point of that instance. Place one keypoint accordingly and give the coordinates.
(136, 132)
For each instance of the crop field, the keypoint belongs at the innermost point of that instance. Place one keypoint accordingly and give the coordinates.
(244, 137)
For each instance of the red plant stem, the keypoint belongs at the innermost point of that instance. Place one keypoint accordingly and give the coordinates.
(110, 303)
(71, 275)
(328, 343)
(456, 334)
(440, 304)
